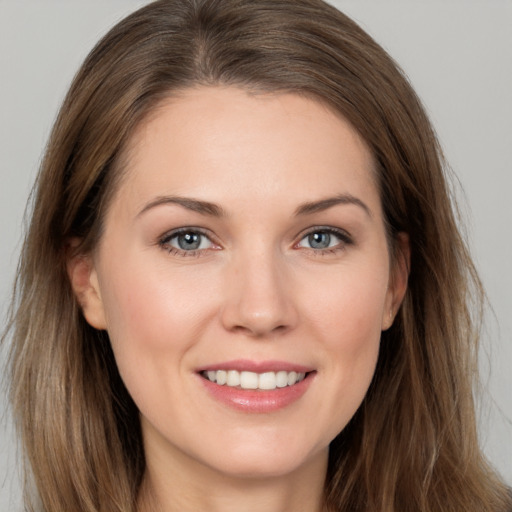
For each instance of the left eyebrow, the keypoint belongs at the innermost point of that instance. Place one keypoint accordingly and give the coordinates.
(324, 204)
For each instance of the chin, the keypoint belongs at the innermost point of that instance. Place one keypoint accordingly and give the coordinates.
(266, 460)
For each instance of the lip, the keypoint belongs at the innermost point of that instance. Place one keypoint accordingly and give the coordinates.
(246, 365)
(257, 401)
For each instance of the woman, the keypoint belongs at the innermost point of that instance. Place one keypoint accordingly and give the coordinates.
(243, 286)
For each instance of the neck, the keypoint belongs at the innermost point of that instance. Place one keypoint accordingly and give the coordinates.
(199, 488)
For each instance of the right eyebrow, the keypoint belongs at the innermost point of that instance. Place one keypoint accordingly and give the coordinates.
(196, 205)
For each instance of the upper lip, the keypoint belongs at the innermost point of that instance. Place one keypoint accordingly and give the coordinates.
(247, 365)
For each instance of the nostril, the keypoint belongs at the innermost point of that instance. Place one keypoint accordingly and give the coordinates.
(260, 331)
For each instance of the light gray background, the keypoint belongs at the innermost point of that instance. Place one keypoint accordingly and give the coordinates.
(457, 54)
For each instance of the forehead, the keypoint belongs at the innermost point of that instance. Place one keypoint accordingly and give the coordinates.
(221, 141)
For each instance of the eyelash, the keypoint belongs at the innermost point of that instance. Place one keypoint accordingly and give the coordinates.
(344, 240)
(343, 236)
(164, 242)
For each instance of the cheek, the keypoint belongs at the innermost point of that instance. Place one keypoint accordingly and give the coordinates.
(154, 320)
(148, 297)
(347, 309)
(351, 333)
(152, 315)
(346, 320)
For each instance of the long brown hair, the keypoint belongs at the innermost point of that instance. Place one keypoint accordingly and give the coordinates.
(412, 445)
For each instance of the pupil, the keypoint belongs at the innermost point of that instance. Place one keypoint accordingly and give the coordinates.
(319, 240)
(189, 241)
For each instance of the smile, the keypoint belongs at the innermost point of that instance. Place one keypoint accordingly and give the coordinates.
(256, 386)
(265, 381)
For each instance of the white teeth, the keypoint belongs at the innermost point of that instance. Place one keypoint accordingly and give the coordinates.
(281, 379)
(292, 378)
(221, 377)
(249, 380)
(267, 381)
(233, 378)
(252, 380)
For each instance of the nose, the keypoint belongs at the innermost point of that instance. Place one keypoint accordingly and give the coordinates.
(259, 296)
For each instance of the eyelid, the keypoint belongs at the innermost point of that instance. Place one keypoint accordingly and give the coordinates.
(163, 240)
(182, 230)
(342, 234)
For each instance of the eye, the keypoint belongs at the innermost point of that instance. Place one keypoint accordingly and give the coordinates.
(325, 238)
(186, 241)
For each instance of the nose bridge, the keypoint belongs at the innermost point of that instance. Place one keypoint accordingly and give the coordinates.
(258, 299)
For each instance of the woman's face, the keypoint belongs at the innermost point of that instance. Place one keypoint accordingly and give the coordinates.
(245, 244)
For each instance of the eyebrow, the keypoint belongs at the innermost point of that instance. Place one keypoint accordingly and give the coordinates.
(214, 210)
(202, 207)
(324, 204)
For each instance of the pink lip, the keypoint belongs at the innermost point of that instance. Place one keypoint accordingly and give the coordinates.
(246, 365)
(257, 401)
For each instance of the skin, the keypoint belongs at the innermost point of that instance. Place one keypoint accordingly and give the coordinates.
(256, 289)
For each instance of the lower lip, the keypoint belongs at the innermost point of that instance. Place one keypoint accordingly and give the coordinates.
(258, 401)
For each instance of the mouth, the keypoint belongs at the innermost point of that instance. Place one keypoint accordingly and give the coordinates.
(265, 381)
(256, 386)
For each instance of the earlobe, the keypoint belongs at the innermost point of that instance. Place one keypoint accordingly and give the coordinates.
(84, 282)
(399, 278)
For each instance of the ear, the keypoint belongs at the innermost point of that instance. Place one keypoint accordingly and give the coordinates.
(398, 280)
(84, 282)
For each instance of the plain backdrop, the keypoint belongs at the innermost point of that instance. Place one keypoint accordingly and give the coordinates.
(457, 54)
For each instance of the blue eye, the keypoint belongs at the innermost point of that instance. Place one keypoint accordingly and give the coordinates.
(319, 240)
(186, 240)
(322, 239)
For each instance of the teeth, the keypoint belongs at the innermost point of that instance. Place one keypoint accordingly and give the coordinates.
(267, 381)
(281, 379)
(252, 380)
(249, 380)
(233, 378)
(221, 377)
